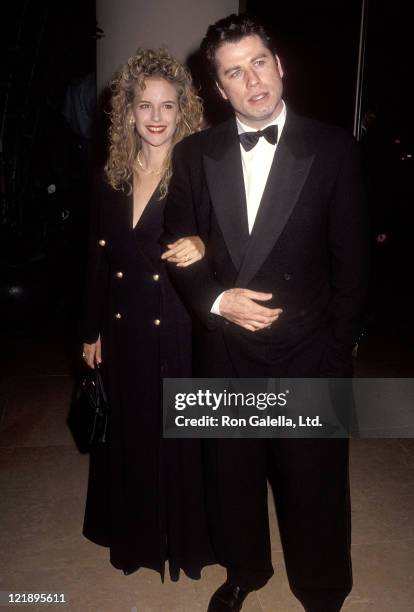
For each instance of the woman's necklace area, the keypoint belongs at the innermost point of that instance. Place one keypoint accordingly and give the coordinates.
(145, 170)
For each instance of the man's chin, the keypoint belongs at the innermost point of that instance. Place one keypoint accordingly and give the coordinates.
(257, 117)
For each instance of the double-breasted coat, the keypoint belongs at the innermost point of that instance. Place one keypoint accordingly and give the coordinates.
(145, 495)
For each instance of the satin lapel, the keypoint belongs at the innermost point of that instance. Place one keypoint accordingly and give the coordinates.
(287, 176)
(224, 175)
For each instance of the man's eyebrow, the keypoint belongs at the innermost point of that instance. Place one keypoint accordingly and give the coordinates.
(254, 59)
(231, 69)
(261, 56)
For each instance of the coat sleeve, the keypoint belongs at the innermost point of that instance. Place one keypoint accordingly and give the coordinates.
(185, 216)
(97, 271)
(349, 254)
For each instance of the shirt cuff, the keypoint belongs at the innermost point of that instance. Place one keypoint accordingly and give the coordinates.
(215, 309)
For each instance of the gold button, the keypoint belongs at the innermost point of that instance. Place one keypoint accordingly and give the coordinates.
(118, 315)
(157, 322)
(102, 242)
(119, 274)
(156, 277)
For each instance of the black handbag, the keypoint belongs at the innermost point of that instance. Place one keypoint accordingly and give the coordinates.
(88, 419)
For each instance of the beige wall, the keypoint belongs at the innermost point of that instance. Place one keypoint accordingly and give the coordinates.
(178, 24)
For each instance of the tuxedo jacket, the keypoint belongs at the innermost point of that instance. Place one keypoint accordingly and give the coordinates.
(308, 248)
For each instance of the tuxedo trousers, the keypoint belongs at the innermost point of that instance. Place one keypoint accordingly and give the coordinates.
(308, 477)
(310, 483)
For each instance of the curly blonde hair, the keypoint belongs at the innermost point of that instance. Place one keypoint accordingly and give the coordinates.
(125, 142)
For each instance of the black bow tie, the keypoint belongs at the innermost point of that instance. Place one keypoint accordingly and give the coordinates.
(250, 139)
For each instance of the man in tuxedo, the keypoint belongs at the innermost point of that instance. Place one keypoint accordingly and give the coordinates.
(278, 202)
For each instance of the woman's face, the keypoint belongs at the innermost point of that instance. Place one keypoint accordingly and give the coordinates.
(155, 111)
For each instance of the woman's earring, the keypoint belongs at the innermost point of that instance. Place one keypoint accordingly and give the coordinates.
(131, 121)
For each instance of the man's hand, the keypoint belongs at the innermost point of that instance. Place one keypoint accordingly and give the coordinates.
(237, 306)
(92, 353)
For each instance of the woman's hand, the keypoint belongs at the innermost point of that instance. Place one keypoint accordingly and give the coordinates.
(92, 353)
(185, 251)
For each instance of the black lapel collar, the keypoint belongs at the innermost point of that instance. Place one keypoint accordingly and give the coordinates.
(288, 173)
(224, 174)
(125, 203)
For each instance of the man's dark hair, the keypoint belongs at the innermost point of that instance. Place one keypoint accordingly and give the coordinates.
(231, 29)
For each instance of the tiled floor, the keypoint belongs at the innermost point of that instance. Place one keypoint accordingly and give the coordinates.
(43, 482)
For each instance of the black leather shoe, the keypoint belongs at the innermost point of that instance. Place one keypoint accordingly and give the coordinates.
(227, 597)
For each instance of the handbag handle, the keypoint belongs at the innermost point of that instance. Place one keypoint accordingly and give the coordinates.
(102, 406)
(100, 390)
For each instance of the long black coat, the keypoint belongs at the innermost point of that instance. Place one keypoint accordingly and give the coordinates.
(145, 494)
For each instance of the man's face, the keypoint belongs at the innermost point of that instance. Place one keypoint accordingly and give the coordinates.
(249, 76)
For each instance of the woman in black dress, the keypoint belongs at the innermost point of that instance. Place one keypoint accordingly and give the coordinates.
(145, 493)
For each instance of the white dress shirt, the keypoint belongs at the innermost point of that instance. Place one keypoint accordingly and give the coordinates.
(256, 167)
